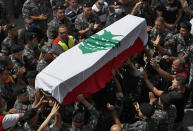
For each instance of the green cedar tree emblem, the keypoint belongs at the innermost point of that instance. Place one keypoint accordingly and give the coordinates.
(99, 42)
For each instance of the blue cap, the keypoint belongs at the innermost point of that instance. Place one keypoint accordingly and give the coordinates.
(101, 2)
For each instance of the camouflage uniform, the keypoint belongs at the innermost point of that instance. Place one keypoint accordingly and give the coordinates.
(148, 14)
(91, 124)
(82, 23)
(22, 107)
(165, 36)
(112, 18)
(179, 45)
(17, 64)
(53, 26)
(6, 45)
(31, 8)
(71, 14)
(190, 56)
(56, 2)
(41, 65)
(31, 91)
(29, 58)
(137, 126)
(164, 119)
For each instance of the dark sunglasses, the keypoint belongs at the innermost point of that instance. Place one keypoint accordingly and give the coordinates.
(63, 33)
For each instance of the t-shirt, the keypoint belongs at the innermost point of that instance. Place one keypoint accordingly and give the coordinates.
(178, 99)
(170, 11)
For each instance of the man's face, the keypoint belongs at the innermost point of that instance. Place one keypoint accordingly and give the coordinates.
(159, 26)
(87, 11)
(184, 32)
(175, 65)
(31, 82)
(24, 97)
(13, 32)
(28, 22)
(10, 65)
(60, 14)
(18, 55)
(73, 3)
(63, 32)
(34, 40)
(4, 75)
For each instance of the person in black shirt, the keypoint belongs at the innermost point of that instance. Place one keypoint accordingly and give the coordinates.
(171, 10)
(176, 94)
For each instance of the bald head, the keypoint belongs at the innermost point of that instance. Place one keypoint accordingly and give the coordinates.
(115, 128)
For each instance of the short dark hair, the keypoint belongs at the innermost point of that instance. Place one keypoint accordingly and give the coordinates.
(63, 26)
(87, 4)
(187, 25)
(146, 109)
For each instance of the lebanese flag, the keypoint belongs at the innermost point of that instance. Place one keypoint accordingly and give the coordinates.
(86, 68)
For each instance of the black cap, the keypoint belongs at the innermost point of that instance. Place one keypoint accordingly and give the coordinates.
(16, 48)
(10, 26)
(87, 4)
(58, 7)
(146, 109)
(31, 74)
(30, 36)
(20, 89)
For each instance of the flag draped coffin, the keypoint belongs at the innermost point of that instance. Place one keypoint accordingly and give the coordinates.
(86, 67)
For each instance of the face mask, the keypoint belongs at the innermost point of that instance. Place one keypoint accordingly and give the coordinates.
(118, 11)
(35, 44)
(31, 26)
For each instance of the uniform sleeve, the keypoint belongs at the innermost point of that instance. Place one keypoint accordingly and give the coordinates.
(57, 49)
(10, 120)
(52, 32)
(4, 48)
(93, 120)
(171, 117)
(26, 11)
(78, 24)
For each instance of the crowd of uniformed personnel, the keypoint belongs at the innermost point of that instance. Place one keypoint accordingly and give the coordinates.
(147, 93)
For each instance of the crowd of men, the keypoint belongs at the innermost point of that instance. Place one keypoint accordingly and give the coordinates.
(147, 93)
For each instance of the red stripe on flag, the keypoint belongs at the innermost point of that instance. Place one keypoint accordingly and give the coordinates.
(98, 80)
